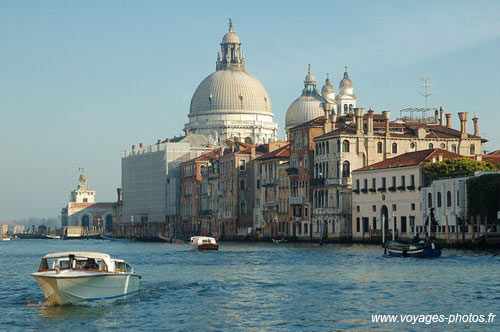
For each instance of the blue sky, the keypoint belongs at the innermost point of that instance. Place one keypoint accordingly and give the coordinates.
(80, 81)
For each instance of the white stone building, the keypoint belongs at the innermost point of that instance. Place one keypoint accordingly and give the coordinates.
(231, 103)
(82, 210)
(151, 178)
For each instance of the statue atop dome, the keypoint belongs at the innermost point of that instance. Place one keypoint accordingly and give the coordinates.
(83, 177)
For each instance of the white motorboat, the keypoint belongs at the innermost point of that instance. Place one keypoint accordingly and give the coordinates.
(204, 243)
(71, 277)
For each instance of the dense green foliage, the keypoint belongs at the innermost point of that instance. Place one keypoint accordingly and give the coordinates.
(450, 168)
(483, 196)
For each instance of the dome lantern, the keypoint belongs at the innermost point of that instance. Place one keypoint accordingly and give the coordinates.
(230, 55)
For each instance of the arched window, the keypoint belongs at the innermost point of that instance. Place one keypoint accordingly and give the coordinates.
(431, 146)
(345, 146)
(346, 169)
(429, 200)
(454, 148)
(379, 147)
(472, 149)
(439, 200)
(85, 221)
(394, 148)
(350, 108)
(109, 223)
(243, 208)
(248, 140)
(448, 199)
(242, 184)
(345, 108)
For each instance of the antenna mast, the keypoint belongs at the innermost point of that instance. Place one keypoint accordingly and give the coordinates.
(426, 86)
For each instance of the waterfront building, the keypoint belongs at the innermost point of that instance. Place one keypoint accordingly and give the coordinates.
(388, 194)
(82, 209)
(271, 193)
(300, 171)
(445, 200)
(151, 178)
(190, 198)
(357, 140)
(231, 103)
(4, 229)
(285, 221)
(18, 229)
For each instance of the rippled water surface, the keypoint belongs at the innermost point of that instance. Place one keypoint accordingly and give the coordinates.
(256, 287)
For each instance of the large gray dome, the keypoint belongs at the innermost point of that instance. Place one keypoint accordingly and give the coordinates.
(230, 91)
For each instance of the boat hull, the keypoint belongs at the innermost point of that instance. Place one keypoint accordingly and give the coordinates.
(63, 290)
(418, 251)
(208, 246)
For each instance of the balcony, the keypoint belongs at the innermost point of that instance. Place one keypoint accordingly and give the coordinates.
(269, 182)
(213, 175)
(220, 192)
(382, 189)
(356, 191)
(271, 206)
(401, 188)
(325, 210)
(364, 190)
(292, 171)
(345, 182)
(317, 182)
(410, 188)
(297, 200)
(392, 189)
(372, 190)
(205, 212)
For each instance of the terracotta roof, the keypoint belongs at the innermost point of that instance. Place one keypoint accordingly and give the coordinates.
(494, 153)
(283, 152)
(492, 158)
(317, 122)
(411, 159)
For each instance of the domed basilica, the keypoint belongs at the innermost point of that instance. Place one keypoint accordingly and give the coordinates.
(310, 104)
(231, 103)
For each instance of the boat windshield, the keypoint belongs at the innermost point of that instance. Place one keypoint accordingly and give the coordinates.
(74, 263)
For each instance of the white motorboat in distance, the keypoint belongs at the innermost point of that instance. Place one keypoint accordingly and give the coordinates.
(204, 243)
(72, 277)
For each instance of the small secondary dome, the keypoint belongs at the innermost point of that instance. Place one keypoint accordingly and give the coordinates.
(307, 106)
(346, 82)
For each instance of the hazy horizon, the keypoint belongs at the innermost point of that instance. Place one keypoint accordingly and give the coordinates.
(82, 81)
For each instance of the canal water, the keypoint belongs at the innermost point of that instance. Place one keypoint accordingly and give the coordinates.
(257, 287)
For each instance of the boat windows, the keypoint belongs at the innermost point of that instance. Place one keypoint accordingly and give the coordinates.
(120, 267)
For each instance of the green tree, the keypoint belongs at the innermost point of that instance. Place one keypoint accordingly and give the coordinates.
(450, 168)
(483, 196)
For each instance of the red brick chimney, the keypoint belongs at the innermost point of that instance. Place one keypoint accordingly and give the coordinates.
(448, 120)
(476, 126)
(463, 124)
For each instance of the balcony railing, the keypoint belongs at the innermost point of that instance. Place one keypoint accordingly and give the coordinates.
(402, 188)
(346, 182)
(392, 189)
(269, 182)
(382, 189)
(297, 200)
(292, 171)
(410, 187)
(220, 192)
(213, 175)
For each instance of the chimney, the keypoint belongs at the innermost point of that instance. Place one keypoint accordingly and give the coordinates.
(326, 124)
(448, 120)
(441, 115)
(334, 121)
(463, 124)
(119, 193)
(370, 122)
(436, 116)
(476, 126)
(359, 120)
(387, 116)
(140, 145)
